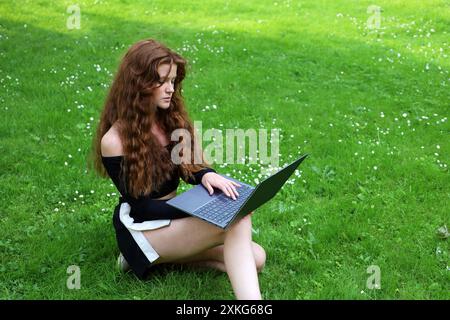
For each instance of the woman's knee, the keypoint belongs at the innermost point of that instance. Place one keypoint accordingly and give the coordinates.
(260, 257)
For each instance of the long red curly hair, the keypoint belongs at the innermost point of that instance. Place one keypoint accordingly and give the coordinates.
(146, 163)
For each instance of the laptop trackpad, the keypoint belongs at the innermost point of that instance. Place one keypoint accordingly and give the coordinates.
(193, 198)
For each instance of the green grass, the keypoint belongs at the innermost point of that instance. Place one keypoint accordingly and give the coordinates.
(371, 108)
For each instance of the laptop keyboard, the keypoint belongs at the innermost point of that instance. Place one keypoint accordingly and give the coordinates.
(222, 208)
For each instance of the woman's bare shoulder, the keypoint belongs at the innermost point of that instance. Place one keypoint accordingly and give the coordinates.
(111, 144)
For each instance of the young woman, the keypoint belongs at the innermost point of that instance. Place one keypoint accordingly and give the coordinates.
(133, 147)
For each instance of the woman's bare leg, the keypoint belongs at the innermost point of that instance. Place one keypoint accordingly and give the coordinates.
(240, 262)
(213, 258)
(190, 236)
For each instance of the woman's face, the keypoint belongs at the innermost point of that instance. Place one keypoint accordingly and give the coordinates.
(163, 93)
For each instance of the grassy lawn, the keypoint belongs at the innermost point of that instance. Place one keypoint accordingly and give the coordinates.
(370, 106)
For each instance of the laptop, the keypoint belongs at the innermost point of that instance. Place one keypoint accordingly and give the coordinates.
(223, 211)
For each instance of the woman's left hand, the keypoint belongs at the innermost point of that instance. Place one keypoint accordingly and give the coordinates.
(213, 180)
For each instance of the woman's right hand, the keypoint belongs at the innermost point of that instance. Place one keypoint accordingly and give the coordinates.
(213, 180)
